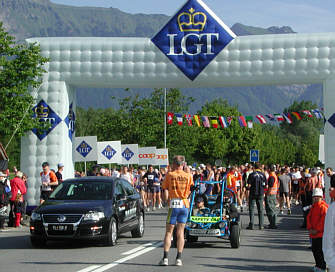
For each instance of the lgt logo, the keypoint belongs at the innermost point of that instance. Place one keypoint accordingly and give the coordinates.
(193, 38)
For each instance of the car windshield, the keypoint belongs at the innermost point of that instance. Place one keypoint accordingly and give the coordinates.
(83, 191)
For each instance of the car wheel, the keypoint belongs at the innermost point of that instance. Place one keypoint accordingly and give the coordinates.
(235, 236)
(112, 233)
(38, 242)
(139, 230)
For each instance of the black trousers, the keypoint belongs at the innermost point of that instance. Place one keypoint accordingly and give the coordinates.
(11, 216)
(318, 253)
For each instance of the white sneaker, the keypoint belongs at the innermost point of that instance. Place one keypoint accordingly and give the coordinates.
(154, 208)
(148, 209)
(164, 262)
(179, 262)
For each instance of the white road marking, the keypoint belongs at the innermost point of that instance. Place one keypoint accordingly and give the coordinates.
(90, 268)
(136, 249)
(125, 259)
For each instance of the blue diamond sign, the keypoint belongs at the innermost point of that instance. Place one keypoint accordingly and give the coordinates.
(193, 37)
(108, 152)
(84, 148)
(331, 120)
(70, 121)
(44, 113)
(127, 154)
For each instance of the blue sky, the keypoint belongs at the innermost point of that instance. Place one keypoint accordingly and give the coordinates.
(302, 15)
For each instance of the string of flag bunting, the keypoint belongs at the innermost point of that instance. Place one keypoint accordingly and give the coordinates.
(244, 121)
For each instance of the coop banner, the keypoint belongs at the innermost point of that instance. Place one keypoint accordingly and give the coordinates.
(162, 156)
(147, 155)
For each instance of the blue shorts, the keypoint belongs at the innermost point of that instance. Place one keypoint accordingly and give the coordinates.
(177, 215)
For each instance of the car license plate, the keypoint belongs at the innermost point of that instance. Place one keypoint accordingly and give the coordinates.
(204, 232)
(59, 227)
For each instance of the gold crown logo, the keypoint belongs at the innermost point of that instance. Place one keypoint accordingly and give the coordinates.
(193, 21)
(83, 145)
(42, 111)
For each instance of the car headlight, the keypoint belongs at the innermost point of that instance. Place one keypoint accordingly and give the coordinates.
(93, 216)
(35, 216)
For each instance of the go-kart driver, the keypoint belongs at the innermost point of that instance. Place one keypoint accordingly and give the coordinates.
(177, 188)
(199, 208)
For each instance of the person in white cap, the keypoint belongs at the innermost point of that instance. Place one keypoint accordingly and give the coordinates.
(315, 225)
(328, 240)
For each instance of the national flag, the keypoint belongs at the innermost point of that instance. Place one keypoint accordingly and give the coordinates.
(249, 120)
(197, 120)
(288, 117)
(317, 114)
(261, 119)
(229, 119)
(205, 121)
(308, 113)
(279, 117)
(223, 121)
(297, 115)
(170, 118)
(214, 122)
(179, 119)
(189, 119)
(242, 121)
(270, 117)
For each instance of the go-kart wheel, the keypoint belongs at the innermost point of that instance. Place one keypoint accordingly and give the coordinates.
(191, 239)
(235, 238)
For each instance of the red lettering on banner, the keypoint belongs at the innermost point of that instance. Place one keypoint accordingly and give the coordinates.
(147, 156)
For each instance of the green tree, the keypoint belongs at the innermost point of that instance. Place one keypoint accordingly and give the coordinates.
(304, 134)
(21, 67)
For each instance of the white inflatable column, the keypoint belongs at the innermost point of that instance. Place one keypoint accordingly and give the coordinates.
(56, 147)
(329, 110)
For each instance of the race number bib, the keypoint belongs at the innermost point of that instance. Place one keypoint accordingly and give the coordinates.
(177, 203)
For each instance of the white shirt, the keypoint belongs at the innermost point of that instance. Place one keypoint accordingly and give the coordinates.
(115, 174)
(328, 240)
(127, 177)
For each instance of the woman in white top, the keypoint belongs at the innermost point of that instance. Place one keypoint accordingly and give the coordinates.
(126, 175)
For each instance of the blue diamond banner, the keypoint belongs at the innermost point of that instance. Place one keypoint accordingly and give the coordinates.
(109, 152)
(70, 121)
(44, 113)
(127, 154)
(331, 120)
(84, 148)
(193, 37)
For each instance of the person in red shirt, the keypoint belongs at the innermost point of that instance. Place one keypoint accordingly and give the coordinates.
(315, 225)
(18, 189)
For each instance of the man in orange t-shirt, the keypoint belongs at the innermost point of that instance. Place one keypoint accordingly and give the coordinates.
(48, 179)
(177, 188)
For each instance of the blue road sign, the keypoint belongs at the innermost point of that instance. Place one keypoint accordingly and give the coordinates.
(254, 155)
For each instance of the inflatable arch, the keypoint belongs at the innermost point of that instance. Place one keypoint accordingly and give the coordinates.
(138, 63)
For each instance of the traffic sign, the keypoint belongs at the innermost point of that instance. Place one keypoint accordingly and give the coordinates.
(254, 155)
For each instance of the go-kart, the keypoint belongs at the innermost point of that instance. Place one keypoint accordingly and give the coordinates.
(218, 218)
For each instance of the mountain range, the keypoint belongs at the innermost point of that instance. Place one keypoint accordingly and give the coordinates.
(41, 18)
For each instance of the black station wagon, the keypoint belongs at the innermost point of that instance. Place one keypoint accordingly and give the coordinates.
(98, 208)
